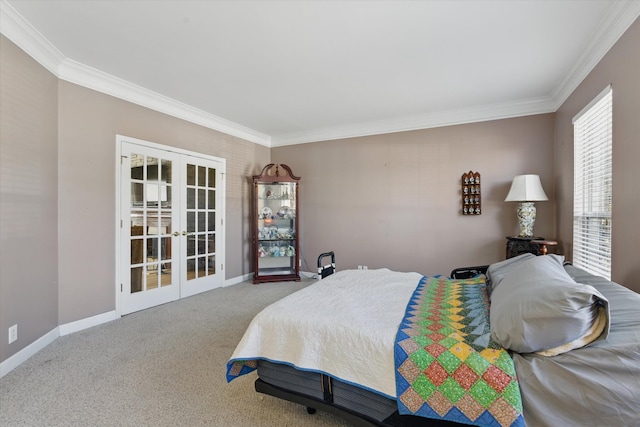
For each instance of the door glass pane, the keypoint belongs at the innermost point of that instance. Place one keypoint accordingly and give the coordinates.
(137, 194)
(191, 222)
(153, 195)
(211, 221)
(211, 199)
(152, 223)
(165, 274)
(191, 175)
(191, 269)
(152, 276)
(137, 223)
(202, 176)
(211, 243)
(152, 169)
(202, 266)
(202, 202)
(152, 250)
(211, 265)
(165, 248)
(166, 171)
(165, 222)
(166, 201)
(201, 221)
(137, 251)
(163, 197)
(136, 279)
(202, 244)
(191, 198)
(137, 166)
(191, 245)
(211, 182)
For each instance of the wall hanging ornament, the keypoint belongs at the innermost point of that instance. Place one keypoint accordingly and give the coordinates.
(471, 194)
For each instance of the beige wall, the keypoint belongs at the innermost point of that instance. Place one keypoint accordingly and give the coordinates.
(394, 200)
(621, 68)
(28, 199)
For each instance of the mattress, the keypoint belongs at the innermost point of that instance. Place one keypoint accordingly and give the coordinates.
(344, 395)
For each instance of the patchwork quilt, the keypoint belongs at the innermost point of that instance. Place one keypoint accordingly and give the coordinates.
(447, 367)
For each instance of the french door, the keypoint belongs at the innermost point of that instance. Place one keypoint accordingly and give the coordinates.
(171, 225)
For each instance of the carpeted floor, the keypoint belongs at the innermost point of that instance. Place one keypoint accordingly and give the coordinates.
(164, 366)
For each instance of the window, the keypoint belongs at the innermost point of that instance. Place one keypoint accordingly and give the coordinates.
(592, 193)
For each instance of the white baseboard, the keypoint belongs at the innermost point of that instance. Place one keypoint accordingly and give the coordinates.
(238, 279)
(23, 355)
(79, 325)
(68, 328)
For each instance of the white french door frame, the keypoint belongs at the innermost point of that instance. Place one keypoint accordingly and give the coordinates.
(220, 244)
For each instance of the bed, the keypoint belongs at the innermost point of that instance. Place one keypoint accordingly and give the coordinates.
(340, 345)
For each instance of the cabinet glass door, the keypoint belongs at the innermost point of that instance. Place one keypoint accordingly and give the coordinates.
(276, 204)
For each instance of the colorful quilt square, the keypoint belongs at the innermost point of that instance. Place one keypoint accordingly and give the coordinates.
(496, 378)
(422, 358)
(435, 349)
(440, 403)
(424, 387)
(483, 393)
(470, 407)
(465, 376)
(436, 373)
(449, 361)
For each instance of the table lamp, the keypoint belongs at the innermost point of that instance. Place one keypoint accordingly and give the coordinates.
(526, 189)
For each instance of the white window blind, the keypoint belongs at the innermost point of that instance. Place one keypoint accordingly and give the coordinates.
(592, 191)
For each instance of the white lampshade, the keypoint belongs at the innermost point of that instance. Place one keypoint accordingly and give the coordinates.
(526, 188)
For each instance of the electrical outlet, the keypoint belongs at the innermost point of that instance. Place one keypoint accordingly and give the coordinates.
(364, 267)
(359, 267)
(13, 333)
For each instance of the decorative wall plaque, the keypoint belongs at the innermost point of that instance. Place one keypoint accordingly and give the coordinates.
(471, 194)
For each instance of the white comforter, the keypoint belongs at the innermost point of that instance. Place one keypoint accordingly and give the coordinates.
(344, 325)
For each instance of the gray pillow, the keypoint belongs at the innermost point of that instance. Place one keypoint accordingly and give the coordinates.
(497, 271)
(538, 307)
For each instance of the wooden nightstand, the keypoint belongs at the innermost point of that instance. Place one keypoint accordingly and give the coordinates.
(543, 245)
(532, 245)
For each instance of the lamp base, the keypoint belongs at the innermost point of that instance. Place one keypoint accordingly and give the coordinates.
(526, 219)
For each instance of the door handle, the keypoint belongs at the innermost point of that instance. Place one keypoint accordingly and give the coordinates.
(175, 233)
(184, 233)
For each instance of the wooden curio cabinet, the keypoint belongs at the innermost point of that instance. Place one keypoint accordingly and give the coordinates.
(275, 230)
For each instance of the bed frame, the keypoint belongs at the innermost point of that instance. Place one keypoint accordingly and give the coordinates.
(323, 397)
(355, 418)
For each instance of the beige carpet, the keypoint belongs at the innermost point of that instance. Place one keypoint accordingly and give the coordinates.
(163, 366)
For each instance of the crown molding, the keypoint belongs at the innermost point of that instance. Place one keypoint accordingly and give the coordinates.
(620, 17)
(26, 37)
(424, 121)
(30, 40)
(82, 75)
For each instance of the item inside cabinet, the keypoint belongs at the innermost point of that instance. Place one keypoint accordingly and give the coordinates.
(471, 193)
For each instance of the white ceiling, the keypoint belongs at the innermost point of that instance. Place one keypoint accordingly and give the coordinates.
(285, 72)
